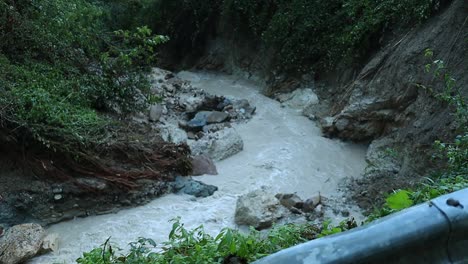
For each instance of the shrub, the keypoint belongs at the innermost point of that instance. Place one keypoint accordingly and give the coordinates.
(60, 65)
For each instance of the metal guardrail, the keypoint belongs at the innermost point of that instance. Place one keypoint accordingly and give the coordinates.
(433, 232)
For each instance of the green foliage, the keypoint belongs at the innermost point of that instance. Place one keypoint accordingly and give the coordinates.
(304, 34)
(399, 200)
(195, 246)
(61, 64)
(329, 229)
(455, 153)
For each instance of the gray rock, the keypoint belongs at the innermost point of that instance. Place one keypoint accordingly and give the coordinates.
(258, 209)
(290, 200)
(198, 122)
(341, 124)
(223, 104)
(49, 243)
(219, 145)
(216, 117)
(172, 133)
(202, 164)
(155, 112)
(216, 127)
(244, 107)
(311, 203)
(243, 103)
(190, 102)
(20, 243)
(192, 187)
(195, 125)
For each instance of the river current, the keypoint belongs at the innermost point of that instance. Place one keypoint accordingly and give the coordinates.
(283, 152)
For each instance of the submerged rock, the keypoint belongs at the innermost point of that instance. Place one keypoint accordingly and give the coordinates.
(258, 209)
(192, 187)
(20, 243)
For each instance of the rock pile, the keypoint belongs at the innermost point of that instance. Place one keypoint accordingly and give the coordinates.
(186, 114)
(261, 209)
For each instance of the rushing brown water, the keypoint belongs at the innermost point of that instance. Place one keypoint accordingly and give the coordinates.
(283, 151)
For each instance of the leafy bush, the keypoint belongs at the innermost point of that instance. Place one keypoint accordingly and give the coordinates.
(195, 246)
(60, 64)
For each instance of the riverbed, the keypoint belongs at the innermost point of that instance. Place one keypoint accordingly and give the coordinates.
(284, 152)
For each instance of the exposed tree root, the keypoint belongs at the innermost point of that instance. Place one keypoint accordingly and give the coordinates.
(120, 163)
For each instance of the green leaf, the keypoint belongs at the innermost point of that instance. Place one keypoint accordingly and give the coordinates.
(399, 200)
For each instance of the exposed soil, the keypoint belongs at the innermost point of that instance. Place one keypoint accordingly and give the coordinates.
(134, 166)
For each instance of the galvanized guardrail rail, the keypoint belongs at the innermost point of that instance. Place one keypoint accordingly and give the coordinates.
(433, 232)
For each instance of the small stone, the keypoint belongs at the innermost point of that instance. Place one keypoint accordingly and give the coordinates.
(226, 102)
(50, 243)
(58, 197)
(294, 210)
(155, 113)
(290, 200)
(57, 190)
(311, 203)
(319, 210)
(191, 135)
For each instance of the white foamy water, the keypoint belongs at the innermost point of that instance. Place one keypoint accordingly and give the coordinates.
(283, 151)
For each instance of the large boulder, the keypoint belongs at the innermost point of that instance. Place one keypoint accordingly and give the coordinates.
(258, 209)
(20, 243)
(219, 145)
(192, 187)
(202, 164)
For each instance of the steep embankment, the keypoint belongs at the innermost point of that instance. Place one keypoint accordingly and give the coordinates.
(387, 104)
(379, 101)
